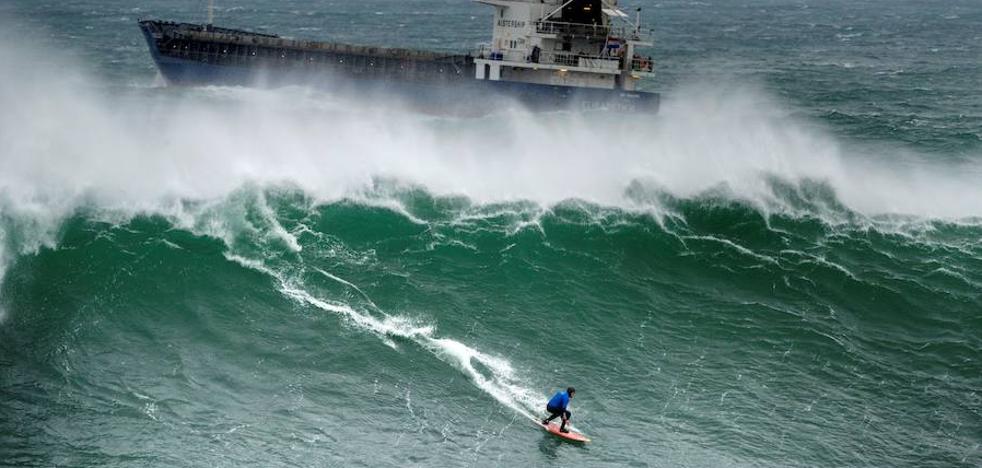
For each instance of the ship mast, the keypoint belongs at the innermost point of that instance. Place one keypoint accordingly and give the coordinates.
(211, 12)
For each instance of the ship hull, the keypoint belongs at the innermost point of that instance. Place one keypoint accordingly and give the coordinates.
(455, 93)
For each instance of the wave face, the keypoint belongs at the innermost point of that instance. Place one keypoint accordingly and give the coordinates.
(225, 276)
(273, 327)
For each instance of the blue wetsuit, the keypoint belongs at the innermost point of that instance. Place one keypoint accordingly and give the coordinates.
(557, 407)
(558, 403)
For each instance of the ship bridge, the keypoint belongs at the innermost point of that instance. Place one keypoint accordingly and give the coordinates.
(581, 43)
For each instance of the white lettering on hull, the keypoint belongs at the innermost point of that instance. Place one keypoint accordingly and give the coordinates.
(511, 23)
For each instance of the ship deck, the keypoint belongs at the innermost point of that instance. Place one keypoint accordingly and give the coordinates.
(216, 35)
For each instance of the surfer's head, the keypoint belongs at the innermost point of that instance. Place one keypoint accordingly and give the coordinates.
(570, 391)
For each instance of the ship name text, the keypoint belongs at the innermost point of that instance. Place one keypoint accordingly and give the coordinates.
(511, 23)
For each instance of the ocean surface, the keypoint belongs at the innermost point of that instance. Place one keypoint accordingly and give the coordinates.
(783, 268)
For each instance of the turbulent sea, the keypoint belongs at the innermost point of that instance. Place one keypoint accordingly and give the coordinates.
(783, 268)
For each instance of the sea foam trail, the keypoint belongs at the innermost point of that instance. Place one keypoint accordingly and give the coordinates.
(259, 242)
(501, 384)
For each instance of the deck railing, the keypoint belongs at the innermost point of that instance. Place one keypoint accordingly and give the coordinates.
(568, 59)
(579, 60)
(642, 64)
(585, 30)
(574, 29)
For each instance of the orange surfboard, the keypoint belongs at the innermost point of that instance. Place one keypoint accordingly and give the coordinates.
(572, 436)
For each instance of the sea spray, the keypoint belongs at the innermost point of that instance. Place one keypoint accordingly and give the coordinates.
(768, 274)
(68, 144)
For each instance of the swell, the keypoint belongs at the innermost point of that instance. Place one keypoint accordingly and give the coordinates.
(711, 232)
(815, 317)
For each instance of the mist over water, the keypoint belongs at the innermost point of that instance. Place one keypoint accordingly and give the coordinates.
(285, 275)
(68, 140)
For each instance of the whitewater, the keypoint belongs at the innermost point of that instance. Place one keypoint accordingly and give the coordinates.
(237, 276)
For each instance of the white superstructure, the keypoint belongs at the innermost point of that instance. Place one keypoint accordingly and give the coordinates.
(581, 43)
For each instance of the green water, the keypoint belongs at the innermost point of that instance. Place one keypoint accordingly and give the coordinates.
(783, 268)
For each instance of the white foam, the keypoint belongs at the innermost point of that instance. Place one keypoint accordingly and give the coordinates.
(65, 144)
(739, 248)
(502, 384)
(25, 228)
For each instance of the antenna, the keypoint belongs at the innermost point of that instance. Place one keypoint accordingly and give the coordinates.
(211, 12)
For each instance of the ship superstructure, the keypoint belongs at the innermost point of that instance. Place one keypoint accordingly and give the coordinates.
(581, 43)
(545, 54)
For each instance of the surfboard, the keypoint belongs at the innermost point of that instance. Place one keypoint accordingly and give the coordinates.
(572, 436)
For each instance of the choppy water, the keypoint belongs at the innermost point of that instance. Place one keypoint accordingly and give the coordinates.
(783, 268)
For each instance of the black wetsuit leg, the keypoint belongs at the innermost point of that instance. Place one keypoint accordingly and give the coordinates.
(555, 413)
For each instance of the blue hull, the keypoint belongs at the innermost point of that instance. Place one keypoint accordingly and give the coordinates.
(460, 96)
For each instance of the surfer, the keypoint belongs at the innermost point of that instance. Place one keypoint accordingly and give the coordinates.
(557, 407)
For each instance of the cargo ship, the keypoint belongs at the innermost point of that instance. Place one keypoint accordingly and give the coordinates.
(543, 55)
